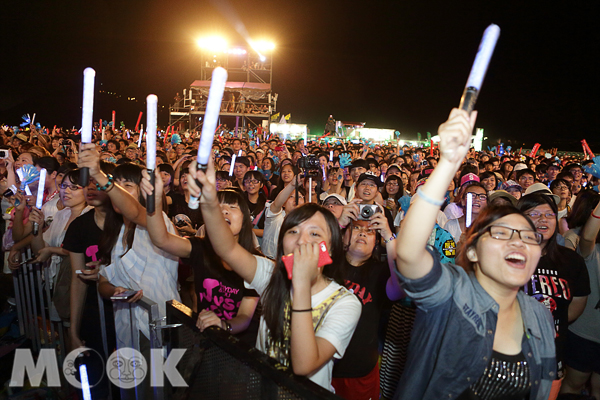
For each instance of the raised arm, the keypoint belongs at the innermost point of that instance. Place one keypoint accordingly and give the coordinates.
(283, 196)
(130, 208)
(155, 223)
(412, 259)
(589, 233)
(221, 238)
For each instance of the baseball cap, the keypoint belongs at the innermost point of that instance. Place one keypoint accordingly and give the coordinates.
(470, 177)
(371, 176)
(336, 196)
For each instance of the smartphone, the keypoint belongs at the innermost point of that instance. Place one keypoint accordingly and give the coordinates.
(324, 259)
(125, 295)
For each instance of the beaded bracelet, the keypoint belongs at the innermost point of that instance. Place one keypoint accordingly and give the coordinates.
(393, 237)
(105, 187)
(429, 199)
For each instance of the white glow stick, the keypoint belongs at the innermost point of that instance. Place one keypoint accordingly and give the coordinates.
(324, 173)
(211, 117)
(40, 193)
(103, 133)
(331, 155)
(27, 190)
(482, 60)
(85, 384)
(140, 139)
(33, 119)
(20, 174)
(88, 105)
(469, 216)
(151, 106)
(232, 165)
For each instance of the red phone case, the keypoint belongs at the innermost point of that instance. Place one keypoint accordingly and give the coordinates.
(324, 259)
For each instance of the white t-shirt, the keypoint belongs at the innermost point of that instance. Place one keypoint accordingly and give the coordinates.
(271, 232)
(337, 328)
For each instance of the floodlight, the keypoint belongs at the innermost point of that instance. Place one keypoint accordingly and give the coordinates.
(262, 45)
(213, 43)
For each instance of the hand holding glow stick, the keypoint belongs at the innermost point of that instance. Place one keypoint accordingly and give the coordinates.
(86, 120)
(151, 110)
(479, 68)
(211, 118)
(39, 202)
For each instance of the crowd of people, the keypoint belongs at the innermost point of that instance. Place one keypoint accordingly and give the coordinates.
(307, 250)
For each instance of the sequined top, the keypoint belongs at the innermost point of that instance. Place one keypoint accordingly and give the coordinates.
(505, 378)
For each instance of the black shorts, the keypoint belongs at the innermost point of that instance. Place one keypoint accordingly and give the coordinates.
(582, 354)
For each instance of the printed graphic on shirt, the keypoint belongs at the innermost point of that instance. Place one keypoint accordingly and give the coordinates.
(449, 248)
(546, 287)
(363, 295)
(91, 252)
(219, 297)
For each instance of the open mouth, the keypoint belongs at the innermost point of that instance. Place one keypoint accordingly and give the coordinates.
(516, 260)
(542, 229)
(228, 221)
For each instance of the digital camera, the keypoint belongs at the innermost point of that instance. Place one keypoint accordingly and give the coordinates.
(366, 211)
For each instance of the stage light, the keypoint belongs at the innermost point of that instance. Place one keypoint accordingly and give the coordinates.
(262, 45)
(213, 43)
(263, 58)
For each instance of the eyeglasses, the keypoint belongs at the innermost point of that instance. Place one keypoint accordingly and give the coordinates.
(480, 196)
(393, 183)
(71, 187)
(561, 187)
(252, 181)
(536, 215)
(527, 236)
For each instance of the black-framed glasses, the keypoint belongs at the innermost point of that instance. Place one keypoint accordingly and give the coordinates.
(478, 196)
(252, 181)
(72, 187)
(527, 236)
(536, 215)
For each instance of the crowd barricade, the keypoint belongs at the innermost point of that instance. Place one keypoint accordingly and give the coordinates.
(33, 299)
(216, 365)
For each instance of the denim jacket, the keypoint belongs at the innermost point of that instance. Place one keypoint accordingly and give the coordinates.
(452, 339)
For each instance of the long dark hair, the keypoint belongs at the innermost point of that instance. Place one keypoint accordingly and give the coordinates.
(533, 200)
(262, 198)
(486, 217)
(277, 293)
(113, 220)
(400, 193)
(585, 203)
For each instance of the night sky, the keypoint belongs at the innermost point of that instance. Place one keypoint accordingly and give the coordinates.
(392, 64)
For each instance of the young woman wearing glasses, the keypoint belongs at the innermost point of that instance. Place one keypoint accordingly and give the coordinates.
(476, 334)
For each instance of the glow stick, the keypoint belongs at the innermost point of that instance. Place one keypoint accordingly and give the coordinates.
(232, 165)
(27, 190)
(142, 130)
(85, 384)
(331, 155)
(20, 174)
(240, 153)
(41, 185)
(139, 143)
(469, 209)
(33, 119)
(137, 125)
(114, 118)
(88, 105)
(213, 106)
(151, 109)
(479, 68)
(324, 173)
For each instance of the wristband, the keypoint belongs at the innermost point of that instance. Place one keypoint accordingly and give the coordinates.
(305, 310)
(428, 199)
(393, 237)
(595, 216)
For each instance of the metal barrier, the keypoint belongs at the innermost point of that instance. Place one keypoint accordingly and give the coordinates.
(217, 366)
(34, 301)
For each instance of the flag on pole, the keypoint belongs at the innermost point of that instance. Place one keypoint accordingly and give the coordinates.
(274, 117)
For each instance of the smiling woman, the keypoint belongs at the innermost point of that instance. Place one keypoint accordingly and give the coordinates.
(477, 335)
(560, 281)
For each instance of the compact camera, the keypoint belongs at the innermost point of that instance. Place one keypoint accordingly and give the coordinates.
(366, 211)
(310, 162)
(3, 154)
